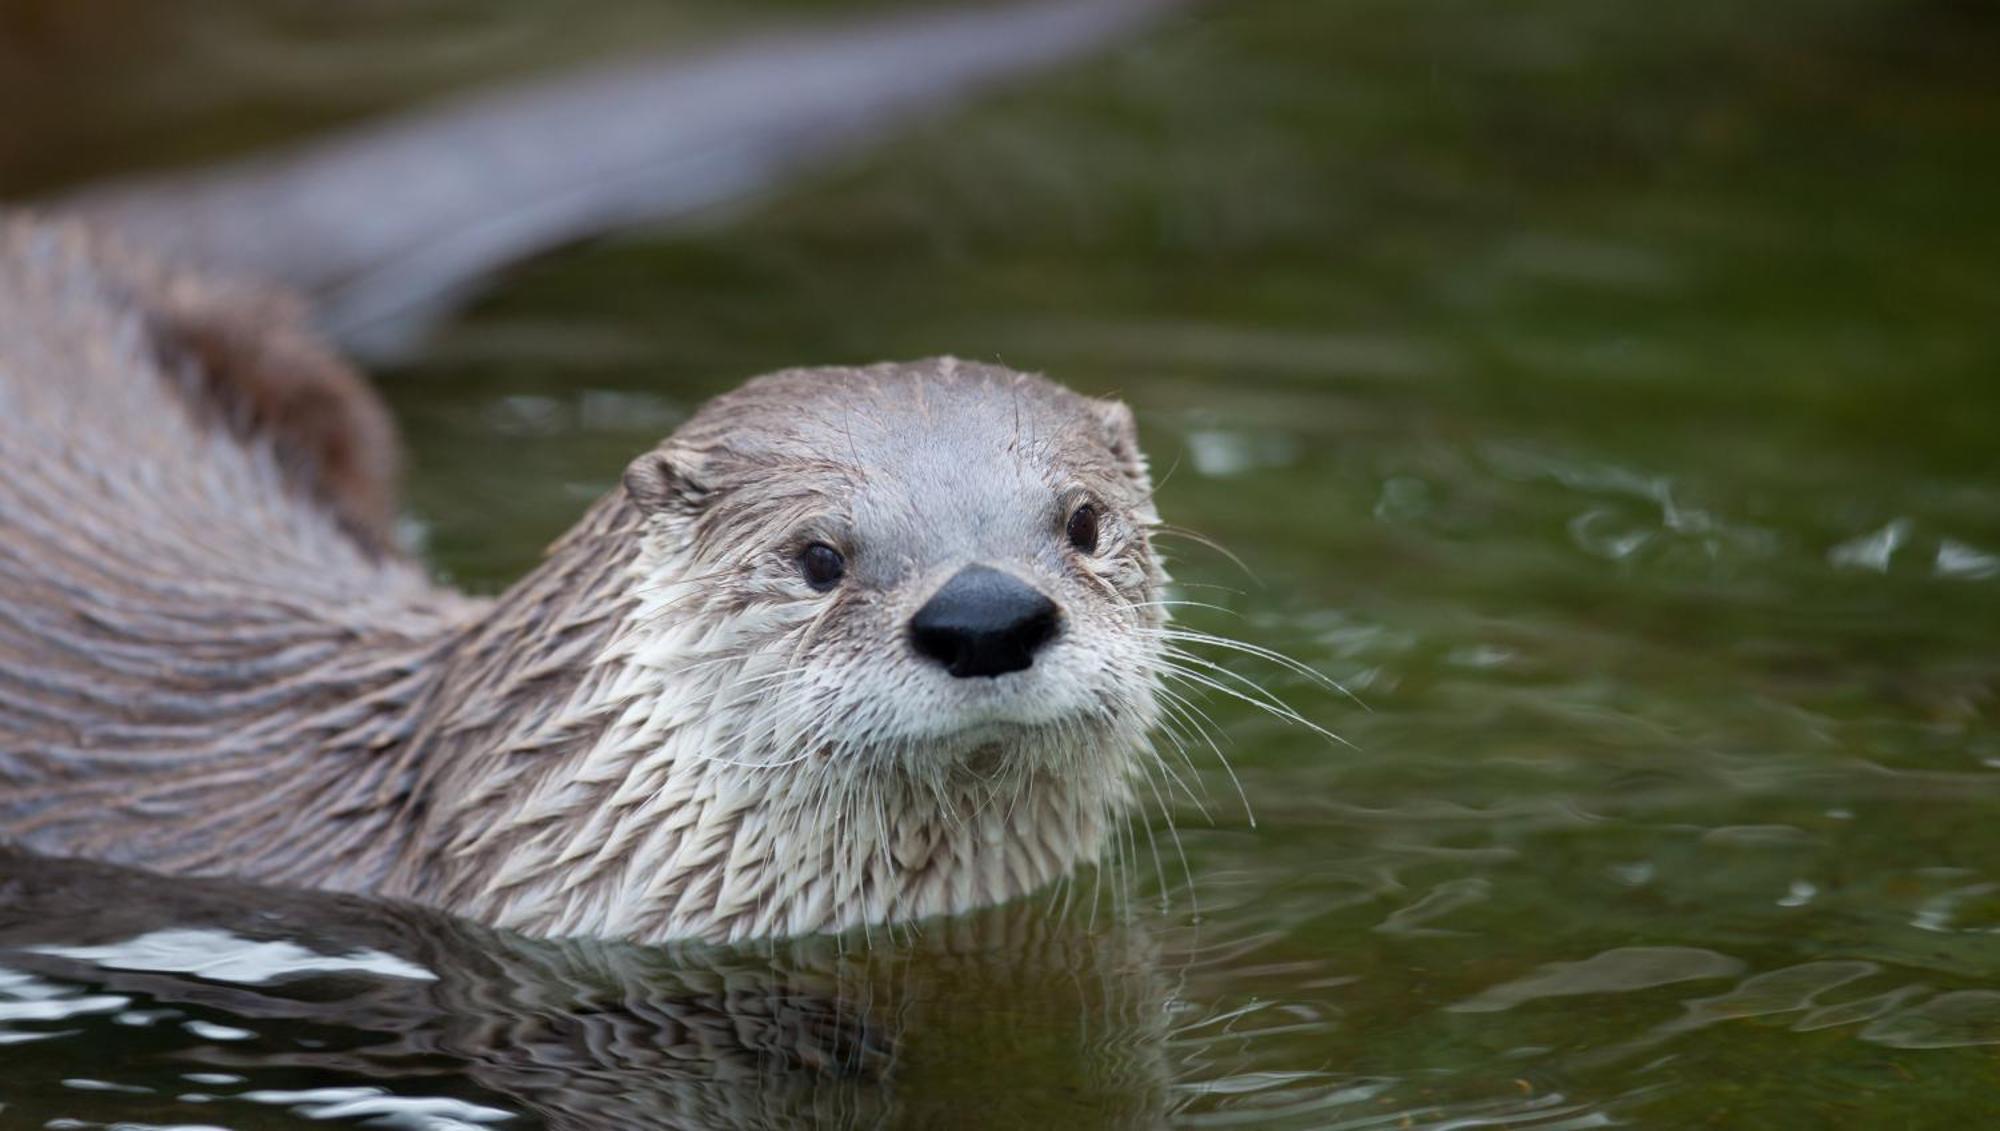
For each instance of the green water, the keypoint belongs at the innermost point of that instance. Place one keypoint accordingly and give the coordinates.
(1607, 395)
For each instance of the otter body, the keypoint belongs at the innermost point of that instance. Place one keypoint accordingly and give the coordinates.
(852, 646)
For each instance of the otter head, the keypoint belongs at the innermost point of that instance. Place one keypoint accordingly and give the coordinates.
(934, 569)
(888, 646)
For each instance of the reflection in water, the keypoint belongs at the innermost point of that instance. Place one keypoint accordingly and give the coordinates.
(393, 1010)
(219, 956)
(206, 999)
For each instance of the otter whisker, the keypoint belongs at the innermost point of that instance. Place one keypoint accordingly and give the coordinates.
(1153, 489)
(1174, 632)
(1180, 849)
(1180, 604)
(1152, 842)
(1190, 713)
(1208, 732)
(1125, 892)
(1258, 696)
(1274, 708)
(1169, 531)
(1174, 777)
(1096, 892)
(1289, 663)
(1058, 904)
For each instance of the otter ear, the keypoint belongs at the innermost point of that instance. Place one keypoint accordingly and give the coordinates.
(657, 482)
(1121, 430)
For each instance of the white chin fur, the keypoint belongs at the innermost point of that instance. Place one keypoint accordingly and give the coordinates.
(739, 792)
(997, 704)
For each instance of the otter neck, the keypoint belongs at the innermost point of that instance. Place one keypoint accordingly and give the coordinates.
(606, 769)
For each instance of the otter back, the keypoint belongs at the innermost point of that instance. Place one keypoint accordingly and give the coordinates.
(193, 529)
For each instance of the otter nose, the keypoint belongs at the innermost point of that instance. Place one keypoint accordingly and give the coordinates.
(983, 622)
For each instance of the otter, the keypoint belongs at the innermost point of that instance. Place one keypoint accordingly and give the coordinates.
(852, 646)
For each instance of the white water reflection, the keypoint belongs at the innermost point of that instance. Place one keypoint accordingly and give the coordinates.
(24, 997)
(222, 957)
(1957, 560)
(1872, 551)
(381, 1108)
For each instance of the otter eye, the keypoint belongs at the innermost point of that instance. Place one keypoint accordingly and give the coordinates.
(1083, 528)
(822, 566)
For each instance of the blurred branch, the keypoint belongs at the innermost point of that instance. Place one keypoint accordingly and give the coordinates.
(389, 226)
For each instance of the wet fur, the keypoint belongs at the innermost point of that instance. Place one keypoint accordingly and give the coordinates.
(210, 663)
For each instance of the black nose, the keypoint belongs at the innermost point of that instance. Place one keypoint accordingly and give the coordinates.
(983, 622)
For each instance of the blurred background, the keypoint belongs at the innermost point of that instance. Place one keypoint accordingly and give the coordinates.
(1606, 394)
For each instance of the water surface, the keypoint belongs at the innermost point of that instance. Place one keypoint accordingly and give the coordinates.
(1603, 394)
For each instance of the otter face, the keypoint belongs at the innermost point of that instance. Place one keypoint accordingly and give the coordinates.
(938, 568)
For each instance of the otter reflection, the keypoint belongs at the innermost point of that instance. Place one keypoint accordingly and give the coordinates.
(1013, 1015)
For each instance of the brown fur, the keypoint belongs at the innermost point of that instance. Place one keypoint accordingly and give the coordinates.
(208, 663)
(262, 367)
(247, 353)
(202, 646)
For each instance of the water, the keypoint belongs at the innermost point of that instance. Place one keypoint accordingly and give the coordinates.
(1604, 395)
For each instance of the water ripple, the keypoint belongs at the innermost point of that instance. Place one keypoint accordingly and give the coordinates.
(1614, 971)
